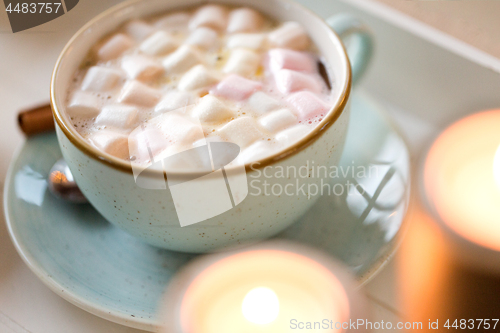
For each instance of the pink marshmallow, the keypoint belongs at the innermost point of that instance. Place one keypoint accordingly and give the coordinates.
(236, 88)
(289, 81)
(289, 59)
(308, 105)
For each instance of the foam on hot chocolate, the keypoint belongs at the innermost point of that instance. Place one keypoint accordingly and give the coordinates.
(213, 73)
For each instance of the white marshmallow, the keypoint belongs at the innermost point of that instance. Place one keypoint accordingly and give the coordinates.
(141, 67)
(163, 136)
(244, 20)
(195, 160)
(158, 43)
(203, 37)
(182, 59)
(177, 128)
(241, 131)
(248, 41)
(278, 120)
(114, 47)
(196, 78)
(290, 35)
(262, 103)
(211, 16)
(139, 30)
(243, 62)
(111, 142)
(257, 151)
(175, 21)
(84, 104)
(292, 135)
(100, 79)
(174, 100)
(117, 115)
(138, 93)
(204, 141)
(210, 109)
(145, 142)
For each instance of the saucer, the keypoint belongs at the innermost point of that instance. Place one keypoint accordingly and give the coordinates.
(105, 271)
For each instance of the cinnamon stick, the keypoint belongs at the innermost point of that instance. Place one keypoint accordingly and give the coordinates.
(36, 120)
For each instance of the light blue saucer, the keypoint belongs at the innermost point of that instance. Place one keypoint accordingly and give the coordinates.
(103, 270)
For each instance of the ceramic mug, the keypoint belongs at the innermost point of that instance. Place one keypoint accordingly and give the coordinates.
(108, 182)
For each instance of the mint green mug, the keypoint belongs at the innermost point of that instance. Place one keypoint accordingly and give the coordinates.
(150, 215)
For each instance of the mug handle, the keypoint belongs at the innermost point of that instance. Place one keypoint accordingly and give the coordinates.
(360, 46)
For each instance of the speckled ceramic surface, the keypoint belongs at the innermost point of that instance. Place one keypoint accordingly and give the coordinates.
(107, 272)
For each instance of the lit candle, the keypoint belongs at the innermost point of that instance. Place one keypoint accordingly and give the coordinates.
(449, 263)
(272, 288)
(496, 166)
(462, 185)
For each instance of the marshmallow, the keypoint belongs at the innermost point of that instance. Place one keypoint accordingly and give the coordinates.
(257, 151)
(244, 20)
(278, 120)
(111, 142)
(248, 41)
(163, 136)
(289, 81)
(173, 21)
(243, 62)
(289, 59)
(141, 67)
(236, 87)
(182, 59)
(207, 140)
(177, 128)
(241, 131)
(210, 109)
(84, 104)
(308, 105)
(262, 103)
(145, 142)
(139, 30)
(184, 160)
(196, 78)
(138, 93)
(211, 16)
(290, 35)
(117, 115)
(292, 135)
(174, 100)
(203, 37)
(158, 43)
(100, 79)
(114, 47)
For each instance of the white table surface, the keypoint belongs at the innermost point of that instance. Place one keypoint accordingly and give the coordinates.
(26, 62)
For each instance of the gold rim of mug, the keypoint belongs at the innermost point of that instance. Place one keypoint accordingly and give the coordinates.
(76, 139)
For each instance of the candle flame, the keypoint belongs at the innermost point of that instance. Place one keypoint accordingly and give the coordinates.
(261, 306)
(496, 167)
